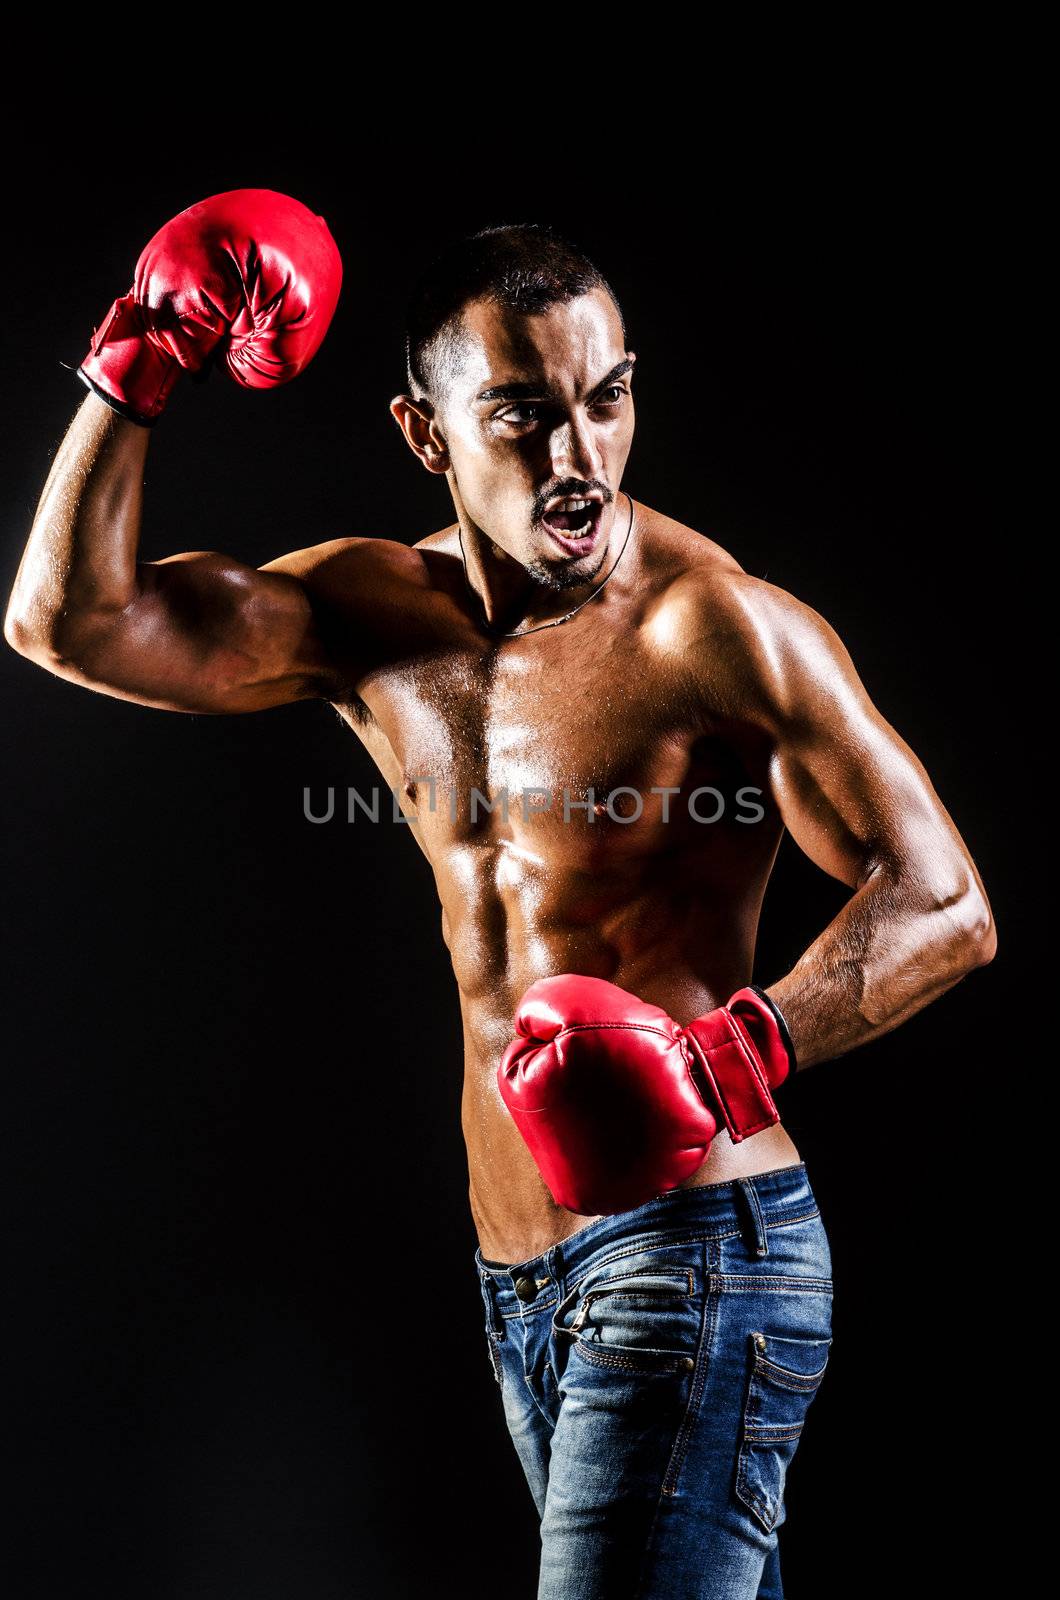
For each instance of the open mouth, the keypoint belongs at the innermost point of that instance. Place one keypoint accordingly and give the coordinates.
(574, 523)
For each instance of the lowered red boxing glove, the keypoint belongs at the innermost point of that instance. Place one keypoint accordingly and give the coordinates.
(250, 278)
(617, 1103)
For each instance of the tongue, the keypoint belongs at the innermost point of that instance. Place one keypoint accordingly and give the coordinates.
(565, 520)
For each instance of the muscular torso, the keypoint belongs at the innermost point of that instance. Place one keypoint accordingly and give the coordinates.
(662, 903)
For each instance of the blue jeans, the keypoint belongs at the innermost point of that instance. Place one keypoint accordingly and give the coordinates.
(655, 1370)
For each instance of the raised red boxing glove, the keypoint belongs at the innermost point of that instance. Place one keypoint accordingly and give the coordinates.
(250, 278)
(617, 1103)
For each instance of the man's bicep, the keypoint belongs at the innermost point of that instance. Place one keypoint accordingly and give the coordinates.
(203, 633)
(244, 638)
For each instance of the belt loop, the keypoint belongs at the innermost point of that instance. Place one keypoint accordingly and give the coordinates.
(758, 1238)
(494, 1320)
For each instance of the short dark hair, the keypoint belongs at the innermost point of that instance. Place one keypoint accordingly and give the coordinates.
(526, 266)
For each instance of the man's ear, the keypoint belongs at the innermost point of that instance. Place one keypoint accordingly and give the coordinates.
(418, 423)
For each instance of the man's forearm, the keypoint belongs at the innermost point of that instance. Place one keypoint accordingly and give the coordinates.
(80, 559)
(893, 948)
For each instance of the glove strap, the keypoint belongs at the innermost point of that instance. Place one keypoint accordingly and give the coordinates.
(133, 373)
(743, 1050)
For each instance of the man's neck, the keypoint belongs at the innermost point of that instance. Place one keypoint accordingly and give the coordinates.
(508, 597)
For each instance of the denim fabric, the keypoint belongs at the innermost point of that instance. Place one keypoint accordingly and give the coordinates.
(655, 1370)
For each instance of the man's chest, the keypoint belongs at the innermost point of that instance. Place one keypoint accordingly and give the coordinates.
(598, 742)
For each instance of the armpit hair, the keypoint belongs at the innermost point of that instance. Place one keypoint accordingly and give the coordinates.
(354, 706)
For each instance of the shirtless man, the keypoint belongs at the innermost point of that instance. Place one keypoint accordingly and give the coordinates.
(653, 1378)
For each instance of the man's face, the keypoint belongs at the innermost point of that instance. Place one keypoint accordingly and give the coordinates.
(541, 412)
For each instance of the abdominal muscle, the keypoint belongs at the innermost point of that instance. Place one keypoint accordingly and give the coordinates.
(513, 1210)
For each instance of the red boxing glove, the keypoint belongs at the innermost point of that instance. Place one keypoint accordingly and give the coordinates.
(617, 1103)
(250, 276)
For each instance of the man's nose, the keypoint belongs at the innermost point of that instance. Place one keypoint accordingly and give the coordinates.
(574, 451)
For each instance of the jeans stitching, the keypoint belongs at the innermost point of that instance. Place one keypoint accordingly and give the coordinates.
(800, 1385)
(692, 1233)
(654, 1239)
(785, 1283)
(644, 1272)
(763, 1434)
(525, 1312)
(665, 1197)
(707, 1326)
(605, 1356)
(617, 1284)
(647, 1360)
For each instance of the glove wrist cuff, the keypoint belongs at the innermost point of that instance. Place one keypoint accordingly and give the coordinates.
(743, 1051)
(782, 1029)
(132, 372)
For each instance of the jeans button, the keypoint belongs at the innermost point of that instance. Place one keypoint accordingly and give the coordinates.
(525, 1288)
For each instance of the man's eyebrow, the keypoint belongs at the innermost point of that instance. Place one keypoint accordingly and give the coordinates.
(524, 391)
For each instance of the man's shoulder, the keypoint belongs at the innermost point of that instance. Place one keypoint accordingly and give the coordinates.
(725, 623)
(335, 560)
(670, 548)
(702, 584)
(370, 597)
(381, 589)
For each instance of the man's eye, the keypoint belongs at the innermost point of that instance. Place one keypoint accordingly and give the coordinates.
(523, 412)
(522, 405)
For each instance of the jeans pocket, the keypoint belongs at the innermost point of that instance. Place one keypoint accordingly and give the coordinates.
(784, 1377)
(633, 1320)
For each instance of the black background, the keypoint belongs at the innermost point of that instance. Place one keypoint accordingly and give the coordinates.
(244, 1339)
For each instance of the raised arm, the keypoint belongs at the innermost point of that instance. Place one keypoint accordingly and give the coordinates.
(859, 803)
(199, 631)
(247, 280)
